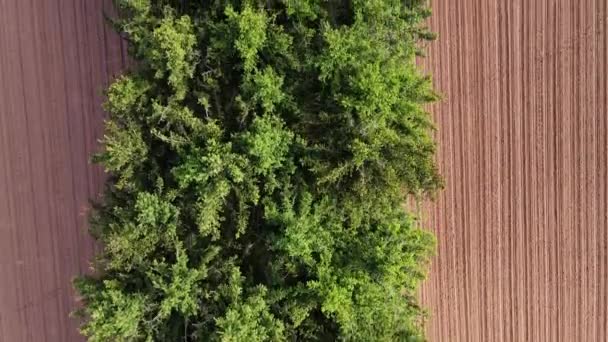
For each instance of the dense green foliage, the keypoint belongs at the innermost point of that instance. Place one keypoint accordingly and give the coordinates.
(259, 157)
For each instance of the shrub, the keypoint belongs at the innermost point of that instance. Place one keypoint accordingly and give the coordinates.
(259, 157)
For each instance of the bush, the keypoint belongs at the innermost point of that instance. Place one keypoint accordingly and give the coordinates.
(259, 157)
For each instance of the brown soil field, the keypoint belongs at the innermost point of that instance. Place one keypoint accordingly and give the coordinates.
(522, 225)
(56, 56)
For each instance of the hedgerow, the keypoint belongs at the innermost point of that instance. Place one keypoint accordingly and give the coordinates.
(259, 155)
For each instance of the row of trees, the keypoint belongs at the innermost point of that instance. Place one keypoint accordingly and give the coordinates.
(259, 157)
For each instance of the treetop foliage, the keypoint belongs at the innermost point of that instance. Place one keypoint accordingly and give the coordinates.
(259, 156)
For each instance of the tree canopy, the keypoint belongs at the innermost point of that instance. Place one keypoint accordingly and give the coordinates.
(259, 155)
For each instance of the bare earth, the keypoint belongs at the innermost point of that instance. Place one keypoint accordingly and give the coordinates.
(522, 224)
(56, 56)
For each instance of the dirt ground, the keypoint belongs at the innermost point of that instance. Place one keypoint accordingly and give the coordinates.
(55, 58)
(522, 224)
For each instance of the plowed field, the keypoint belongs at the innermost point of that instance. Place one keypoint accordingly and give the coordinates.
(521, 225)
(55, 58)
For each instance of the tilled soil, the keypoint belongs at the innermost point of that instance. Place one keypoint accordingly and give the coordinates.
(522, 224)
(56, 56)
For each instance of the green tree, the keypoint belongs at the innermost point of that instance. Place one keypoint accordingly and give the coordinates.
(259, 157)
